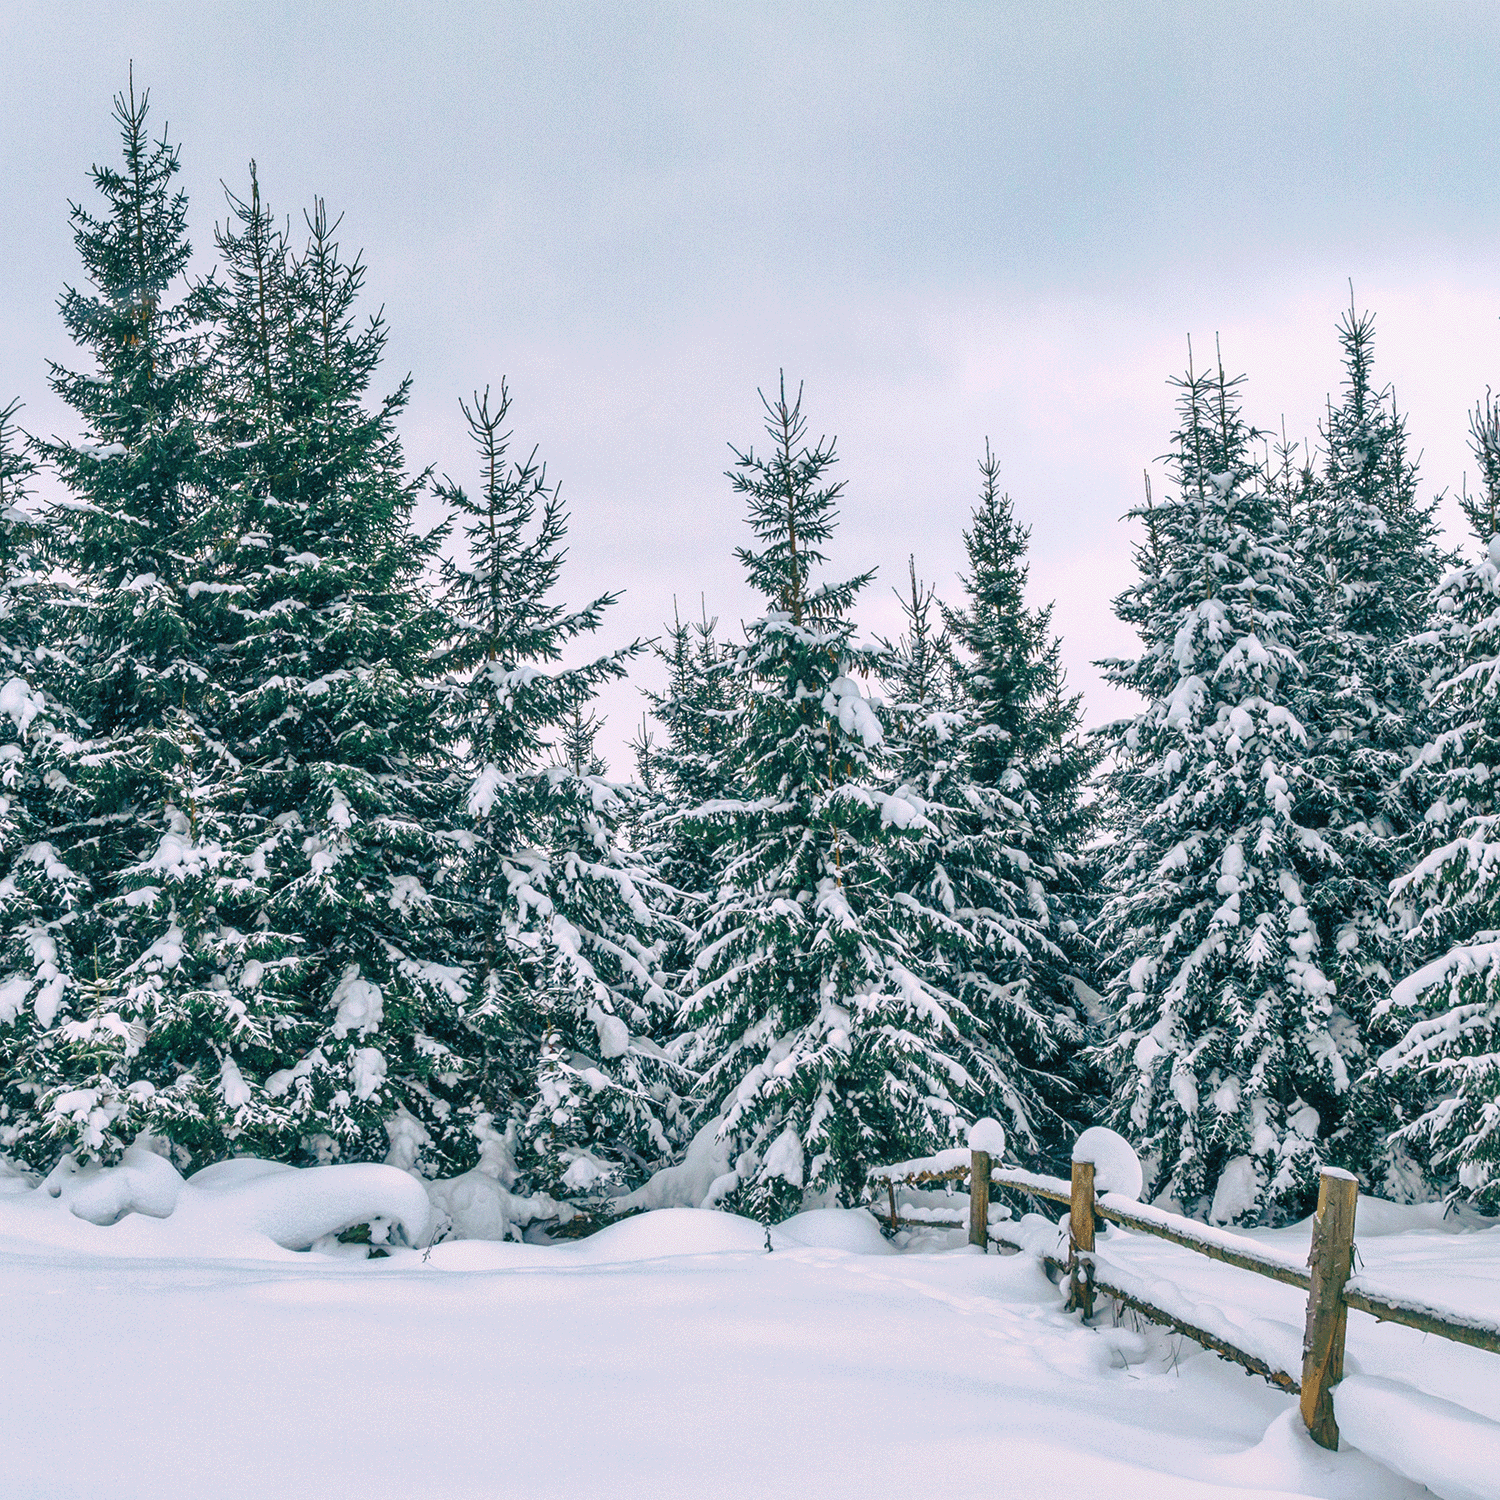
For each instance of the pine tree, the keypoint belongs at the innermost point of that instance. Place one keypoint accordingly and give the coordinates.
(1449, 1008)
(1375, 561)
(353, 1035)
(41, 898)
(1028, 767)
(1221, 1012)
(972, 736)
(980, 935)
(822, 1048)
(136, 533)
(564, 917)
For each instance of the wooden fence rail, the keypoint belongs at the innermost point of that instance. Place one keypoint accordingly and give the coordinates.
(1326, 1281)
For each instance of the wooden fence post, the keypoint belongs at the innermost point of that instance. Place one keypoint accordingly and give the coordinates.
(979, 1200)
(890, 1188)
(1331, 1259)
(1081, 1240)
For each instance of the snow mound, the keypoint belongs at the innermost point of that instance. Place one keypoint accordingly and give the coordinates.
(987, 1135)
(674, 1231)
(480, 1207)
(143, 1183)
(850, 1229)
(232, 1206)
(1377, 1216)
(1453, 1451)
(296, 1206)
(1117, 1169)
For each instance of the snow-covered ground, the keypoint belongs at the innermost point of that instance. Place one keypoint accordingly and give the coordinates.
(670, 1355)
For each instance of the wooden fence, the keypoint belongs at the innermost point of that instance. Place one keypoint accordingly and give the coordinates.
(1330, 1261)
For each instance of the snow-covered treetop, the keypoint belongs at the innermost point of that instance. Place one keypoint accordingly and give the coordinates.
(792, 513)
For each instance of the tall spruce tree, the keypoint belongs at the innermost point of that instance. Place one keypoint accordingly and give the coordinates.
(1029, 766)
(1449, 1008)
(1371, 544)
(567, 923)
(352, 1034)
(137, 533)
(962, 867)
(1222, 1015)
(822, 1048)
(971, 734)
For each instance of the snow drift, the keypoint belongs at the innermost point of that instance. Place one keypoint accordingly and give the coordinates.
(290, 1206)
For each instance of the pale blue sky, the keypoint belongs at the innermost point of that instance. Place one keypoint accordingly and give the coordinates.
(953, 221)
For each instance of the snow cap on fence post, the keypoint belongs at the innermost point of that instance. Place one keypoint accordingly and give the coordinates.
(1117, 1169)
(987, 1135)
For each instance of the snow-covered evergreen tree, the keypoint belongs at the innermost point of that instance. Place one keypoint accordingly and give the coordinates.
(823, 1050)
(347, 1007)
(984, 924)
(41, 898)
(1222, 1016)
(980, 730)
(1027, 811)
(1370, 541)
(1449, 1007)
(137, 532)
(566, 922)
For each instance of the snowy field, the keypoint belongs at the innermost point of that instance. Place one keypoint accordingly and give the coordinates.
(669, 1355)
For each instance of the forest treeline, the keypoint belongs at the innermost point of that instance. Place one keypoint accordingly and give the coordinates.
(305, 851)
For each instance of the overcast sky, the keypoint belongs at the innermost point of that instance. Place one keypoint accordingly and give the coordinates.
(952, 221)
